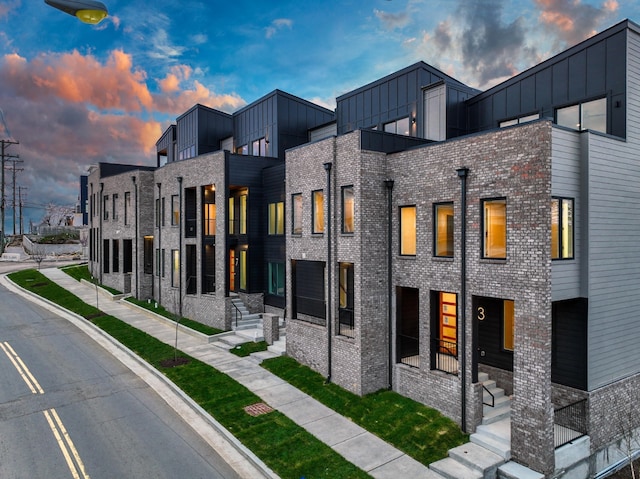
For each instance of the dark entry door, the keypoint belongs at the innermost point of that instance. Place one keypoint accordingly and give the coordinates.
(491, 347)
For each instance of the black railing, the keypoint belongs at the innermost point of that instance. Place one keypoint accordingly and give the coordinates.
(409, 350)
(444, 356)
(492, 402)
(345, 323)
(192, 287)
(237, 313)
(570, 423)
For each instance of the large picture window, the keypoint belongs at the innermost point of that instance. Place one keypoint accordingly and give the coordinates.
(443, 230)
(296, 214)
(591, 115)
(276, 279)
(399, 127)
(408, 230)
(494, 227)
(561, 228)
(317, 219)
(348, 208)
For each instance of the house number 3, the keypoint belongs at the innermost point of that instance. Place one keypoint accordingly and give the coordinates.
(481, 315)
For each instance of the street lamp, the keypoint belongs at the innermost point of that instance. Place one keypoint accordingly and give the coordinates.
(87, 11)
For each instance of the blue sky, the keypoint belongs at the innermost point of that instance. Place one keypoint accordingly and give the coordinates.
(74, 94)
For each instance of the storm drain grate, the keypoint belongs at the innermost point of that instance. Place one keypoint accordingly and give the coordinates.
(257, 409)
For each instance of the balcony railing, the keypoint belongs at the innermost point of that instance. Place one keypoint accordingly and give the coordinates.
(444, 356)
(409, 350)
(570, 423)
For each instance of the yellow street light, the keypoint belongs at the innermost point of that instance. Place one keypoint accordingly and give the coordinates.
(87, 11)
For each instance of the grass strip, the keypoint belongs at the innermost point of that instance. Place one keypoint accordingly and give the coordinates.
(81, 272)
(285, 447)
(420, 432)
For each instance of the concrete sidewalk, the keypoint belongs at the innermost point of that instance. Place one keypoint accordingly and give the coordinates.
(365, 450)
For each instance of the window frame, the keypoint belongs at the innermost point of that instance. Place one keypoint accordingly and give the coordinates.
(581, 119)
(484, 227)
(275, 218)
(277, 269)
(296, 213)
(175, 268)
(127, 207)
(346, 286)
(348, 221)
(436, 230)
(401, 227)
(561, 228)
(317, 214)
(105, 208)
(114, 206)
(175, 210)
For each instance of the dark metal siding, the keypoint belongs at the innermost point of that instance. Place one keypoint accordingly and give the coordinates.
(204, 128)
(569, 345)
(592, 69)
(274, 246)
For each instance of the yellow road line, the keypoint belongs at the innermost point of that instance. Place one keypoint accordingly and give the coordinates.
(28, 378)
(66, 445)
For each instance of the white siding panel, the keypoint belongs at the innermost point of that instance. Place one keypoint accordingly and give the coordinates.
(565, 182)
(614, 242)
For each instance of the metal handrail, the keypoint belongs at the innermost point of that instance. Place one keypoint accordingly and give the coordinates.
(571, 422)
(237, 310)
(493, 398)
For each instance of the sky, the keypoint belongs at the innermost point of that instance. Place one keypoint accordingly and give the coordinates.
(74, 94)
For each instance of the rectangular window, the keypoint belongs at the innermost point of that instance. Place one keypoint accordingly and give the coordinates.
(242, 150)
(191, 271)
(562, 228)
(162, 211)
(116, 256)
(259, 147)
(175, 210)
(522, 119)
(317, 213)
(408, 230)
(308, 295)
(114, 206)
(276, 279)
(508, 325)
(209, 210)
(127, 256)
(443, 230)
(105, 256)
(494, 227)
(175, 268)
(105, 208)
(148, 255)
(157, 212)
(399, 127)
(127, 207)
(348, 209)
(158, 259)
(296, 214)
(242, 224)
(190, 213)
(242, 269)
(209, 268)
(345, 300)
(591, 115)
(231, 212)
(444, 332)
(276, 218)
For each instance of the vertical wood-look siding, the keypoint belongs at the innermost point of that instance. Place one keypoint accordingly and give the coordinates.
(614, 246)
(566, 182)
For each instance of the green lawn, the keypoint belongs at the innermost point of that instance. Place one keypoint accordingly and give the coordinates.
(421, 432)
(245, 349)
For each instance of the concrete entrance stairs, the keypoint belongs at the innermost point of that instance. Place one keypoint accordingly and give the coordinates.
(248, 328)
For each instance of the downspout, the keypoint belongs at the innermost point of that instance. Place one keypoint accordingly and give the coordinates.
(100, 265)
(135, 188)
(389, 185)
(327, 167)
(179, 247)
(462, 174)
(160, 255)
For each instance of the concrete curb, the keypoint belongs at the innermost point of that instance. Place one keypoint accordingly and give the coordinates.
(239, 457)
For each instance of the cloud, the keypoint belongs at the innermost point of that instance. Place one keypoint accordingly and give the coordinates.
(391, 21)
(571, 20)
(277, 25)
(7, 5)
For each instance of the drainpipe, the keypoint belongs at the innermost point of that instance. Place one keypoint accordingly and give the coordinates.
(160, 255)
(327, 167)
(179, 246)
(100, 265)
(389, 185)
(137, 238)
(462, 174)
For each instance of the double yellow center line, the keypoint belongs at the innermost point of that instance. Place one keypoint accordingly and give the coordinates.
(69, 451)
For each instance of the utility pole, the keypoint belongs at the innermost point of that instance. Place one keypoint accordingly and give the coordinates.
(21, 203)
(4, 144)
(13, 204)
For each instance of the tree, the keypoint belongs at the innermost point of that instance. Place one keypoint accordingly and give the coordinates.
(627, 422)
(38, 253)
(58, 215)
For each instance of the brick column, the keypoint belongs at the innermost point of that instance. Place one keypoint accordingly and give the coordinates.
(270, 328)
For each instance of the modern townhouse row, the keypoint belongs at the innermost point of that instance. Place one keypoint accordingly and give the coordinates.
(424, 237)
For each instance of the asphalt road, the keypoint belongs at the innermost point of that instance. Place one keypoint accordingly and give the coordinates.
(68, 409)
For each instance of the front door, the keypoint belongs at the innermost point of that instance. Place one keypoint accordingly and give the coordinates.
(493, 318)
